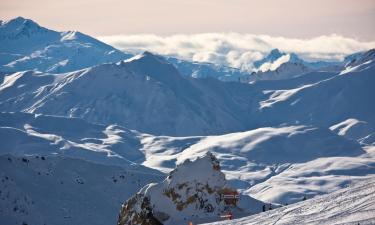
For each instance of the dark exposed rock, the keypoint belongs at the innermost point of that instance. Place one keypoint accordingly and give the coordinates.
(144, 215)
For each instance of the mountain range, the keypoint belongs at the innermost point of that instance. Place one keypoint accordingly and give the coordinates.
(101, 127)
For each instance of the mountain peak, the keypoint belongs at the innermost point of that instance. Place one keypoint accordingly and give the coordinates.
(191, 171)
(270, 58)
(156, 67)
(151, 56)
(146, 56)
(147, 53)
(20, 22)
(19, 27)
(275, 53)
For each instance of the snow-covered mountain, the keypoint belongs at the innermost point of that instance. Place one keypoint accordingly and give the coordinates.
(24, 45)
(276, 58)
(195, 190)
(352, 205)
(274, 55)
(279, 65)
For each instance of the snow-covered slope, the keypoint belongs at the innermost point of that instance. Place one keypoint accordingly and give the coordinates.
(29, 134)
(42, 189)
(24, 45)
(193, 191)
(274, 164)
(361, 58)
(326, 102)
(279, 165)
(352, 205)
(360, 61)
(313, 178)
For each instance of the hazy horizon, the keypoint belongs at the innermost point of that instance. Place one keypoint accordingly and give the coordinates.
(234, 33)
(300, 19)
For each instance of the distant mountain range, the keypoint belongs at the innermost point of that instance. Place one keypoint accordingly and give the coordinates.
(171, 104)
(25, 45)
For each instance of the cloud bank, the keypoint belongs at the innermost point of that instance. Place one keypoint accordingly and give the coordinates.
(235, 49)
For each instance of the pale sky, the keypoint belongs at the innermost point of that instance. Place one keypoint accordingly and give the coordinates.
(287, 18)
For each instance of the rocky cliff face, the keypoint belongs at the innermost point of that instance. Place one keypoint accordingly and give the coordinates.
(194, 190)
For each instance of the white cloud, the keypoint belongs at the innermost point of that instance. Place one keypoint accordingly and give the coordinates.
(237, 50)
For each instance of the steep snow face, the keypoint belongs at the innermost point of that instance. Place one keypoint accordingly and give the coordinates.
(359, 62)
(193, 191)
(25, 45)
(44, 189)
(352, 205)
(361, 58)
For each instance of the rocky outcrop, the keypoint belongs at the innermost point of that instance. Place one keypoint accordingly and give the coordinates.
(137, 210)
(194, 190)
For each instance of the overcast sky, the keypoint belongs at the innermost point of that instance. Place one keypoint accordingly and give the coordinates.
(288, 18)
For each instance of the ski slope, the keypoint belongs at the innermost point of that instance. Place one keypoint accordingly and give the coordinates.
(354, 204)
